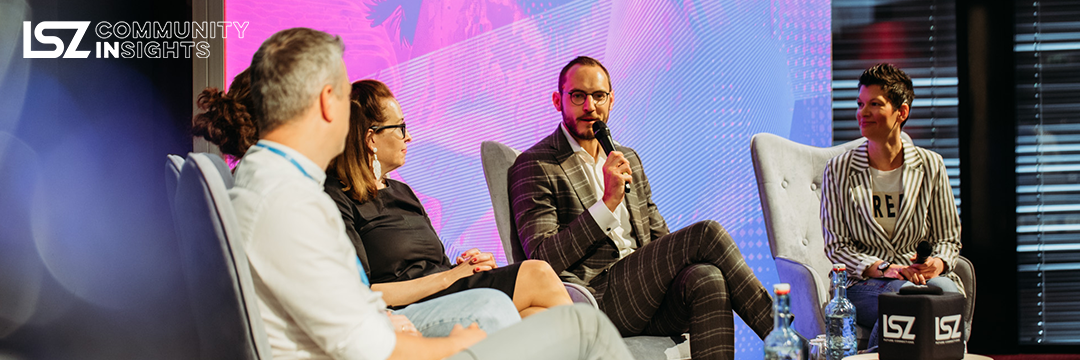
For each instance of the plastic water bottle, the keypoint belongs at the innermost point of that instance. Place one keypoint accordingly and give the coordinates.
(840, 319)
(783, 343)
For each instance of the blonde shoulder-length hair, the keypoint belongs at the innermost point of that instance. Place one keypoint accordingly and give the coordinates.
(353, 166)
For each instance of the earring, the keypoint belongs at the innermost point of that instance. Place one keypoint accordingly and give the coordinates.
(376, 167)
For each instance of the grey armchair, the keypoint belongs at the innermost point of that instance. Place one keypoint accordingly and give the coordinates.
(789, 177)
(214, 263)
(173, 163)
(497, 159)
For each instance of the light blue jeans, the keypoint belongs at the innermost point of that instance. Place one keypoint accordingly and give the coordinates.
(571, 332)
(489, 308)
(864, 295)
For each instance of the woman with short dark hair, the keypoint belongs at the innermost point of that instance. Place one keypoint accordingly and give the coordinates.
(881, 199)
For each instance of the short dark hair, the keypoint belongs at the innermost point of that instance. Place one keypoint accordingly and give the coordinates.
(895, 83)
(583, 61)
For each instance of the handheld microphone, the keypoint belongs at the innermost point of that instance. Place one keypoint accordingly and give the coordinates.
(603, 135)
(923, 251)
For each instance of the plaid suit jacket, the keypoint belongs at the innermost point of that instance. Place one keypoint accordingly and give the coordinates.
(550, 196)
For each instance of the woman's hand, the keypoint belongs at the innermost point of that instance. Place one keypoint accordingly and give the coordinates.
(931, 268)
(465, 270)
(912, 275)
(483, 260)
(465, 256)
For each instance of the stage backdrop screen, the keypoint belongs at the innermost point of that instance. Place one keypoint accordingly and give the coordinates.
(693, 81)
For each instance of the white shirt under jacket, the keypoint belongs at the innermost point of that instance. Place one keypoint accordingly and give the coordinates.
(605, 218)
(311, 298)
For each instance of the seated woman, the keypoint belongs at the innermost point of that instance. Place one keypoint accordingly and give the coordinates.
(226, 122)
(881, 199)
(391, 230)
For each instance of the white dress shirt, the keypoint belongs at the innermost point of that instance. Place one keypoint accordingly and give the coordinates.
(611, 221)
(304, 268)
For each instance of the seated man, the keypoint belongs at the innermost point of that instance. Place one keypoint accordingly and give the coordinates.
(906, 189)
(311, 294)
(570, 209)
(227, 123)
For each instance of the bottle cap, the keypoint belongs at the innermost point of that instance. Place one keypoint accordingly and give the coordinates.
(782, 288)
(839, 267)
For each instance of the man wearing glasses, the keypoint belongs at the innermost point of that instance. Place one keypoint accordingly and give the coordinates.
(571, 209)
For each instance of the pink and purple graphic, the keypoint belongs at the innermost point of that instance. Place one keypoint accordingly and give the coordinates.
(693, 81)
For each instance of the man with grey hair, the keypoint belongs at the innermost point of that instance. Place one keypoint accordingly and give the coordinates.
(313, 295)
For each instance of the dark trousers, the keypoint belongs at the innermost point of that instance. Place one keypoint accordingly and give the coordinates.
(691, 280)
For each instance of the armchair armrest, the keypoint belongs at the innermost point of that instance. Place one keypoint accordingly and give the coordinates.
(966, 271)
(579, 294)
(808, 296)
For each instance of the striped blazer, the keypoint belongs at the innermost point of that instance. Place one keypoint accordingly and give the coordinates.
(927, 212)
(550, 196)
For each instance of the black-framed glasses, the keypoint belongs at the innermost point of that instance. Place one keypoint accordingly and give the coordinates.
(578, 97)
(384, 127)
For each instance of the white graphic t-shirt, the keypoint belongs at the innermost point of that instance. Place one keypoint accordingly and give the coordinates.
(888, 194)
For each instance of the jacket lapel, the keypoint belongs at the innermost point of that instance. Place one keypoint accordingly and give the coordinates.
(635, 206)
(912, 180)
(574, 169)
(862, 190)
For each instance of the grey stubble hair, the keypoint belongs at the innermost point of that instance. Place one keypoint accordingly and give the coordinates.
(289, 70)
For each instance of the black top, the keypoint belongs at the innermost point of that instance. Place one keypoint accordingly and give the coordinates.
(395, 231)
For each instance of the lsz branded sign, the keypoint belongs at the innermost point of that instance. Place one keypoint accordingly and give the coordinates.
(893, 328)
(78, 26)
(898, 328)
(165, 39)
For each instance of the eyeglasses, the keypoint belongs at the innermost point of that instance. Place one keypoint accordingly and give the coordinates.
(577, 97)
(398, 126)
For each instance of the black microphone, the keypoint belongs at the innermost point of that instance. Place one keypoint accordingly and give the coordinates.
(603, 135)
(923, 250)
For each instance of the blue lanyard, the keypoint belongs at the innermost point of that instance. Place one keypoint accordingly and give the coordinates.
(287, 157)
(363, 275)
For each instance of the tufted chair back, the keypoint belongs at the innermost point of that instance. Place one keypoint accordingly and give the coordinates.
(789, 178)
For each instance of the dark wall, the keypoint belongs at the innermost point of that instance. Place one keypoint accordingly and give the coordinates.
(88, 256)
(988, 139)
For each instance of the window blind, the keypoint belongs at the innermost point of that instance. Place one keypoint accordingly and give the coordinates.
(1047, 51)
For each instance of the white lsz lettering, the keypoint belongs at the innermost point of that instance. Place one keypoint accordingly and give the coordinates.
(894, 331)
(945, 331)
(72, 52)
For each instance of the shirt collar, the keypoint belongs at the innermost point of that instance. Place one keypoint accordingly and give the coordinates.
(570, 139)
(861, 156)
(309, 166)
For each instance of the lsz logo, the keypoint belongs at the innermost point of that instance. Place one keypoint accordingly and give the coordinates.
(72, 52)
(135, 39)
(948, 327)
(893, 330)
(899, 327)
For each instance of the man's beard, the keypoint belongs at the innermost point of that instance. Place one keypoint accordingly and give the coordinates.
(571, 126)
